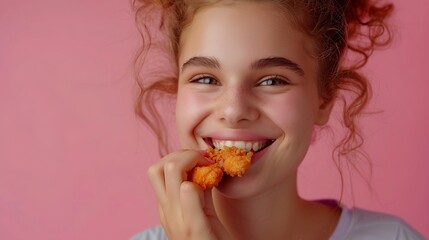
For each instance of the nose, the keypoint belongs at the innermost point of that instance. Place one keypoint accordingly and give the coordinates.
(237, 106)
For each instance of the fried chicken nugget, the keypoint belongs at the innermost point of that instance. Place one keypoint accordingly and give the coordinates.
(231, 160)
(235, 161)
(207, 176)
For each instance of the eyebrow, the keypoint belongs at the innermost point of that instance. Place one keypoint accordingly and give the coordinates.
(201, 62)
(278, 62)
(259, 64)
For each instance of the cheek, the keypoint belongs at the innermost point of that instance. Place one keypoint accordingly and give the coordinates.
(293, 113)
(190, 111)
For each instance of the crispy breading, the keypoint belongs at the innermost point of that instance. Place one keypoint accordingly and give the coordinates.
(230, 160)
(235, 161)
(207, 176)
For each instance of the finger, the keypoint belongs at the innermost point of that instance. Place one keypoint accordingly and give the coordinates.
(207, 160)
(208, 204)
(212, 217)
(191, 200)
(161, 215)
(156, 177)
(175, 171)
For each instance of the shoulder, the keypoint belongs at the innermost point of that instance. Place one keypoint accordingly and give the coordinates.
(155, 233)
(358, 223)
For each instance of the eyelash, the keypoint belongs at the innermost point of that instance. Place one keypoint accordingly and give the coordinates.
(205, 80)
(273, 81)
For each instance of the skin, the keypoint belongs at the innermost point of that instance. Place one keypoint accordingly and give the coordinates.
(224, 94)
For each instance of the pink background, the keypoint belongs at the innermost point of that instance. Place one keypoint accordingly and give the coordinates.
(73, 156)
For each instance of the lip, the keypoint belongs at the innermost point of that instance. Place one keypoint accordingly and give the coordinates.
(241, 135)
(249, 137)
(260, 154)
(237, 135)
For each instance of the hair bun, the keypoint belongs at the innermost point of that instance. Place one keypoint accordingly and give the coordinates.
(366, 27)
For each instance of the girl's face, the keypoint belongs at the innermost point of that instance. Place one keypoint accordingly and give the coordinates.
(247, 78)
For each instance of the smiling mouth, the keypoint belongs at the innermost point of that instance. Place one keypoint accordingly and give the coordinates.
(249, 146)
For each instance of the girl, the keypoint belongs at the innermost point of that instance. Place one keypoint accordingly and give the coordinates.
(265, 74)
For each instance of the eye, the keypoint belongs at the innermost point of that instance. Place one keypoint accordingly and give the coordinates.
(203, 79)
(273, 81)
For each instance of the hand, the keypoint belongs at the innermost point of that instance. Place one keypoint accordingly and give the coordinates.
(186, 212)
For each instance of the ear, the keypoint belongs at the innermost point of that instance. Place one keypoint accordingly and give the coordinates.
(324, 111)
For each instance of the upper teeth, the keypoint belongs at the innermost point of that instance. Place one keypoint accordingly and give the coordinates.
(246, 145)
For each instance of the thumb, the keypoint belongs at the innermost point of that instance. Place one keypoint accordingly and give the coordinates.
(209, 208)
(210, 211)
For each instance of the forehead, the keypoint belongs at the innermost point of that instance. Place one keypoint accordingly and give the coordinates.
(245, 29)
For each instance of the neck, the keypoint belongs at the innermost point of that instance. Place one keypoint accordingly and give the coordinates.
(276, 214)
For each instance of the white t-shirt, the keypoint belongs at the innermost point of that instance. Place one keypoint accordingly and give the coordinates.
(354, 224)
